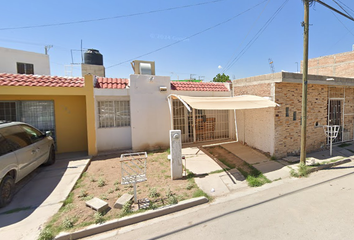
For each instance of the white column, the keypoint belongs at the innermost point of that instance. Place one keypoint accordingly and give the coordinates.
(176, 154)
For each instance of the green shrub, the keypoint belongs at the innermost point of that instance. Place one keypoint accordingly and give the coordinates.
(46, 234)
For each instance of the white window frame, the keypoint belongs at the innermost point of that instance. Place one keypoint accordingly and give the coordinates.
(117, 113)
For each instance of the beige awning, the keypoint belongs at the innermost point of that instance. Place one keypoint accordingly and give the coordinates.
(226, 103)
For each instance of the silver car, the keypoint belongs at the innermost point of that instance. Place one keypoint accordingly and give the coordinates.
(23, 148)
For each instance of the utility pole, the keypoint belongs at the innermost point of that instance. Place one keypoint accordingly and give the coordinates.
(305, 24)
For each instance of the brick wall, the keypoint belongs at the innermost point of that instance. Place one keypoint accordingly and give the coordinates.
(262, 90)
(287, 140)
(288, 128)
(339, 65)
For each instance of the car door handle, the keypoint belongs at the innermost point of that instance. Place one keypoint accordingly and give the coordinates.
(35, 151)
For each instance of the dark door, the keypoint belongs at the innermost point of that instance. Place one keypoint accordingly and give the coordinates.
(335, 116)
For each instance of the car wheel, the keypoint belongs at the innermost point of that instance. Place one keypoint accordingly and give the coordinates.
(51, 157)
(7, 189)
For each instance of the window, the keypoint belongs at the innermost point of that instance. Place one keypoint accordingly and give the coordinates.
(5, 148)
(114, 114)
(32, 133)
(294, 116)
(16, 137)
(8, 111)
(25, 68)
(287, 112)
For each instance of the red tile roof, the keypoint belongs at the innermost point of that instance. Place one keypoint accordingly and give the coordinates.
(112, 83)
(9, 79)
(198, 86)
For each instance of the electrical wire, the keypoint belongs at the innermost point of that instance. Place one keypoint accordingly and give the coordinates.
(342, 23)
(342, 8)
(191, 36)
(254, 39)
(346, 6)
(109, 18)
(228, 62)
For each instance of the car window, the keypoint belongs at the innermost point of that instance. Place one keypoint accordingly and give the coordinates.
(5, 147)
(16, 137)
(34, 134)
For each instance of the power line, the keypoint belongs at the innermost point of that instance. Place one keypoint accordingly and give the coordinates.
(342, 8)
(191, 36)
(109, 18)
(232, 57)
(346, 6)
(333, 9)
(254, 39)
(343, 24)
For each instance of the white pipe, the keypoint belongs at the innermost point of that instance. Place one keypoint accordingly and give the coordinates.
(171, 113)
(235, 125)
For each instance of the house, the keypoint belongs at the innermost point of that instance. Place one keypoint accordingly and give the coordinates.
(278, 130)
(23, 62)
(63, 105)
(97, 114)
(135, 113)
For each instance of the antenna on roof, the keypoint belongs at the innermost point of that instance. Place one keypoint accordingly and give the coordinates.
(46, 49)
(271, 64)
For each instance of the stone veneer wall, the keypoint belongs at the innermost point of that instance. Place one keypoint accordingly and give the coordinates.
(288, 128)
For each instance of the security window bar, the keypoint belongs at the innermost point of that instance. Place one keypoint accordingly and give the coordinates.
(25, 68)
(39, 114)
(208, 125)
(114, 114)
(8, 111)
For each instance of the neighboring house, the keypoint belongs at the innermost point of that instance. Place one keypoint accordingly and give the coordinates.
(60, 104)
(330, 102)
(23, 62)
(336, 65)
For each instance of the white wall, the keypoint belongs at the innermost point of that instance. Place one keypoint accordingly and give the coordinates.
(150, 115)
(256, 128)
(10, 57)
(109, 139)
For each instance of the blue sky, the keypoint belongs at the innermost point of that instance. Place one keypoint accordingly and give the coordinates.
(195, 39)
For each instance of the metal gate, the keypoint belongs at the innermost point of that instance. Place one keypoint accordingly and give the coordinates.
(200, 125)
(335, 115)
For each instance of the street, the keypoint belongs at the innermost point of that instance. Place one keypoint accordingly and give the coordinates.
(318, 207)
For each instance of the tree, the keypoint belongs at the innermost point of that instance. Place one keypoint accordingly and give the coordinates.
(221, 78)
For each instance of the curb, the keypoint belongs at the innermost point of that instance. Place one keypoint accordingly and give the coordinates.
(125, 221)
(325, 166)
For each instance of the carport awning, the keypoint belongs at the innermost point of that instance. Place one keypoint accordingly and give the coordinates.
(226, 103)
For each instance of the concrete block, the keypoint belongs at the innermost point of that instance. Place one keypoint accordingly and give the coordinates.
(97, 204)
(123, 200)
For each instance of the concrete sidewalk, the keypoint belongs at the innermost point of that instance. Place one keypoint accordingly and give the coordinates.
(210, 175)
(40, 198)
(215, 182)
(273, 170)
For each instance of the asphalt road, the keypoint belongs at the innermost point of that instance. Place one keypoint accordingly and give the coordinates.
(318, 207)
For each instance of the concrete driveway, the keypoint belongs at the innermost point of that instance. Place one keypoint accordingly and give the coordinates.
(39, 196)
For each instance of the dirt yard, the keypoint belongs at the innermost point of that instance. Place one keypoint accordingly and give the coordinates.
(103, 180)
(228, 159)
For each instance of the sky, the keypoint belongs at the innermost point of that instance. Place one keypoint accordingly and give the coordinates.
(194, 38)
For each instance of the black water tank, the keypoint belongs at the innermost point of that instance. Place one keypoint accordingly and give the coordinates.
(93, 56)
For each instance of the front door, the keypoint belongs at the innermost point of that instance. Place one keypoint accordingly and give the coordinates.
(335, 116)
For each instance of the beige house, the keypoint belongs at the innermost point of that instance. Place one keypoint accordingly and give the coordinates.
(330, 102)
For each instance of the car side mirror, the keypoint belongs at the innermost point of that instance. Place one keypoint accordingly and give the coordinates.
(48, 134)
